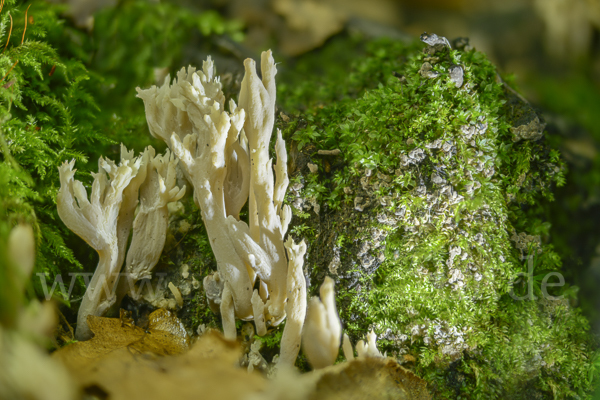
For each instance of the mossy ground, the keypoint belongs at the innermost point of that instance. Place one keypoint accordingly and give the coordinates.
(428, 215)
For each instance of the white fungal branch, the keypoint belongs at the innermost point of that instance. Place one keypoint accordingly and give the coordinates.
(225, 155)
(323, 329)
(152, 219)
(102, 222)
(368, 349)
(347, 348)
(266, 220)
(167, 112)
(295, 307)
(106, 219)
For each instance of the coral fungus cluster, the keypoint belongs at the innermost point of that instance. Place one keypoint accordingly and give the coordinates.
(225, 155)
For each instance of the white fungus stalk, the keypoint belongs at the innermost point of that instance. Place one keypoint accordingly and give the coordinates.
(225, 155)
(347, 348)
(152, 219)
(103, 222)
(322, 329)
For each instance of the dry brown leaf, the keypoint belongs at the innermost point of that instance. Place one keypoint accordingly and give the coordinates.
(125, 362)
(368, 378)
(373, 378)
(167, 321)
(165, 336)
(209, 370)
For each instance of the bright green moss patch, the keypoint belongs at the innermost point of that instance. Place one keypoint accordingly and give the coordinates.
(427, 214)
(47, 117)
(68, 92)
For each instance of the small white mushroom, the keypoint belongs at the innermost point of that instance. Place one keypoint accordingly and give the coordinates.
(347, 348)
(368, 349)
(225, 155)
(322, 329)
(295, 307)
(21, 252)
(176, 293)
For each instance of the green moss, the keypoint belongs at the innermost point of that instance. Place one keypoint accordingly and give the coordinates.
(69, 92)
(46, 119)
(427, 214)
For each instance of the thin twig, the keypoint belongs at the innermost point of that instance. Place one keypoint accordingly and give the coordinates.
(25, 30)
(22, 39)
(9, 32)
(11, 68)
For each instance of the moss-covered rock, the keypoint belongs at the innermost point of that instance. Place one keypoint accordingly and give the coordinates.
(419, 183)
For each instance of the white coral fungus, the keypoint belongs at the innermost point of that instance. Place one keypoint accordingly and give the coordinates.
(225, 155)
